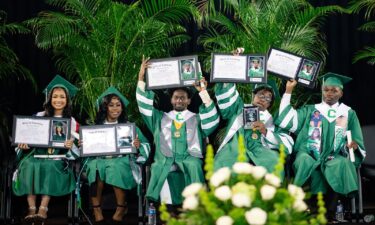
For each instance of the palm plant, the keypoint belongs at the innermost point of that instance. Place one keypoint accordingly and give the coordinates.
(257, 25)
(368, 53)
(100, 43)
(10, 66)
(10, 70)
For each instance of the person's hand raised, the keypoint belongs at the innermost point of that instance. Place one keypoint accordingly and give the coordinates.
(238, 51)
(144, 65)
(201, 85)
(290, 85)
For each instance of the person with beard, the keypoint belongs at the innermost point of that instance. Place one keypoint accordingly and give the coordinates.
(262, 142)
(122, 172)
(331, 170)
(178, 137)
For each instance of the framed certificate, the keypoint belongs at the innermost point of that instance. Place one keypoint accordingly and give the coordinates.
(239, 69)
(40, 131)
(287, 65)
(172, 72)
(250, 115)
(106, 140)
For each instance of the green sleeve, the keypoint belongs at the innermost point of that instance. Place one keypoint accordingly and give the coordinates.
(228, 100)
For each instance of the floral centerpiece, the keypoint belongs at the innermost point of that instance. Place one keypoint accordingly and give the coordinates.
(244, 194)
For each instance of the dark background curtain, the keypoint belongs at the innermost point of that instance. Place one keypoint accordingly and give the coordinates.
(343, 40)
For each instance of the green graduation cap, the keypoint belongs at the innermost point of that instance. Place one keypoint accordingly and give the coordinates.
(271, 84)
(309, 64)
(112, 90)
(333, 79)
(58, 81)
(255, 59)
(59, 124)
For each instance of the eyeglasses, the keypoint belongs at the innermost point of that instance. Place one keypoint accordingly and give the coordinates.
(264, 98)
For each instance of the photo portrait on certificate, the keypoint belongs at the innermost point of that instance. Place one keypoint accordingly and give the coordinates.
(187, 69)
(59, 131)
(124, 136)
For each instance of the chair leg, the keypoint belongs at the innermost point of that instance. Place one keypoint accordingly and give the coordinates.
(353, 210)
(360, 197)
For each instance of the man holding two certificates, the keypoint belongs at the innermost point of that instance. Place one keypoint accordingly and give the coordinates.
(178, 137)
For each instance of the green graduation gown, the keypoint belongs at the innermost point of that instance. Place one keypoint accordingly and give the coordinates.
(177, 161)
(120, 171)
(43, 171)
(332, 167)
(256, 72)
(262, 151)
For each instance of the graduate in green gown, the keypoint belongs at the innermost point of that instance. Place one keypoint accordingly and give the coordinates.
(42, 171)
(178, 137)
(325, 165)
(122, 172)
(262, 142)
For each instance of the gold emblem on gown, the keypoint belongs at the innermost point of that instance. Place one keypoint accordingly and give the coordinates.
(254, 135)
(178, 126)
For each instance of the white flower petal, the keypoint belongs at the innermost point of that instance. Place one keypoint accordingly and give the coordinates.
(296, 192)
(224, 220)
(221, 175)
(190, 203)
(256, 216)
(242, 168)
(258, 172)
(273, 179)
(192, 189)
(267, 192)
(241, 200)
(300, 205)
(223, 193)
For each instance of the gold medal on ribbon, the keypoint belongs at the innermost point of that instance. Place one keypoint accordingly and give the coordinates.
(178, 126)
(254, 135)
(177, 134)
(50, 150)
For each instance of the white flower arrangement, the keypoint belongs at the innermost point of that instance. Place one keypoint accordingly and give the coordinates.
(244, 194)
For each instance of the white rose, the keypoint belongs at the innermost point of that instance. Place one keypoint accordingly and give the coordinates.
(267, 192)
(192, 189)
(241, 200)
(220, 176)
(223, 193)
(242, 168)
(273, 179)
(256, 216)
(258, 172)
(224, 220)
(300, 205)
(296, 192)
(190, 203)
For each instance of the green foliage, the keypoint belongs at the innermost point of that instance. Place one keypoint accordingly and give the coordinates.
(235, 194)
(209, 162)
(10, 67)
(368, 53)
(257, 25)
(100, 43)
